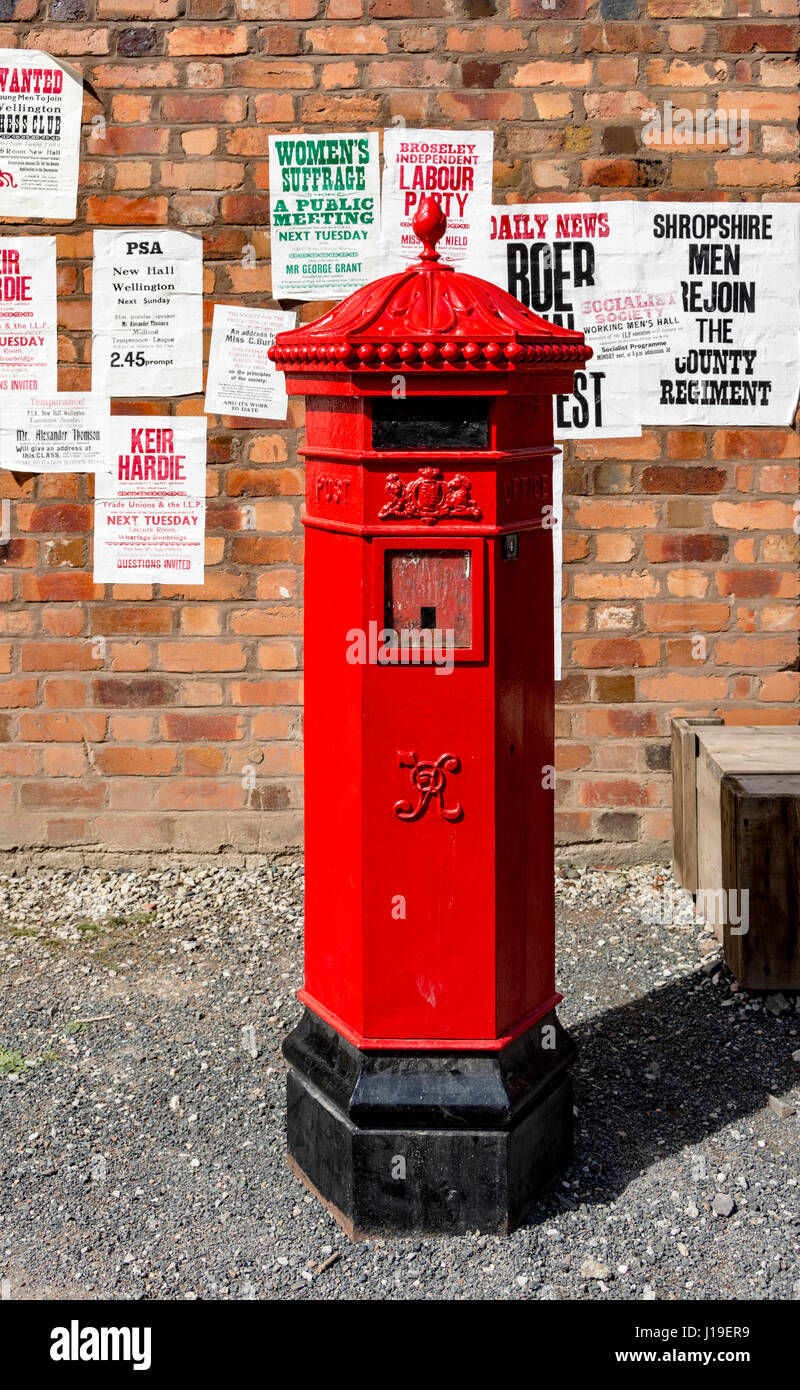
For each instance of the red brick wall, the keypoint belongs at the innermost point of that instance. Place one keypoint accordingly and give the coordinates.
(140, 741)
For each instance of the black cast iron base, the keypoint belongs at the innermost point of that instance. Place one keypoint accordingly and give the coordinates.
(428, 1142)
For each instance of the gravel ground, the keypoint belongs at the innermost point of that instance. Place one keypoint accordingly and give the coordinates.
(141, 1091)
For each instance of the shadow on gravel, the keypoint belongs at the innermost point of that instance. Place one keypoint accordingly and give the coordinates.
(663, 1073)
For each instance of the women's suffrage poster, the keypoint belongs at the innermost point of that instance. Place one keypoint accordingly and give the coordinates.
(553, 258)
(456, 168)
(147, 313)
(28, 325)
(149, 515)
(54, 434)
(324, 193)
(40, 128)
(241, 378)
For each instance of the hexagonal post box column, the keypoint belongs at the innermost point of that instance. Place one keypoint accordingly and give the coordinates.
(428, 1087)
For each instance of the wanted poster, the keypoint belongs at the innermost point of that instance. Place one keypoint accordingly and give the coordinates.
(456, 168)
(241, 379)
(62, 433)
(40, 128)
(324, 202)
(149, 514)
(147, 313)
(553, 257)
(28, 325)
(737, 270)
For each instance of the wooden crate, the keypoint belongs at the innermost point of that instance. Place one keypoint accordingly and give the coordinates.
(747, 783)
(684, 798)
(760, 832)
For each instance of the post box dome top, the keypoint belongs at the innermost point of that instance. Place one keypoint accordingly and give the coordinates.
(428, 316)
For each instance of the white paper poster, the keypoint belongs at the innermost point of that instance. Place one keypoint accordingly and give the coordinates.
(558, 557)
(54, 434)
(324, 204)
(631, 329)
(738, 272)
(241, 379)
(456, 167)
(28, 325)
(40, 129)
(149, 514)
(552, 257)
(147, 313)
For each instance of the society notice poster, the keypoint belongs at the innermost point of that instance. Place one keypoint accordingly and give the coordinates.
(40, 127)
(324, 203)
(553, 257)
(147, 313)
(241, 378)
(149, 516)
(632, 327)
(737, 270)
(28, 328)
(456, 168)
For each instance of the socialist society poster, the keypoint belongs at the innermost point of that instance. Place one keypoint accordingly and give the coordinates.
(40, 126)
(632, 326)
(324, 204)
(456, 168)
(149, 515)
(28, 327)
(147, 313)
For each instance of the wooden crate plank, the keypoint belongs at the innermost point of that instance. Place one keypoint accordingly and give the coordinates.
(760, 828)
(684, 797)
(709, 838)
(753, 748)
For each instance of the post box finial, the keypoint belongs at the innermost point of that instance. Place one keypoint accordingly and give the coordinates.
(429, 224)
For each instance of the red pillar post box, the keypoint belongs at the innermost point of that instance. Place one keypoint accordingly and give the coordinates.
(428, 1087)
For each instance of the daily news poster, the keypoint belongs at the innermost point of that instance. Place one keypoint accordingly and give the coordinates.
(555, 258)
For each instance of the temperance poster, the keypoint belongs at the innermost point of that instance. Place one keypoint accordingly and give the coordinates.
(28, 326)
(54, 434)
(147, 313)
(40, 127)
(324, 193)
(553, 257)
(456, 167)
(737, 271)
(149, 515)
